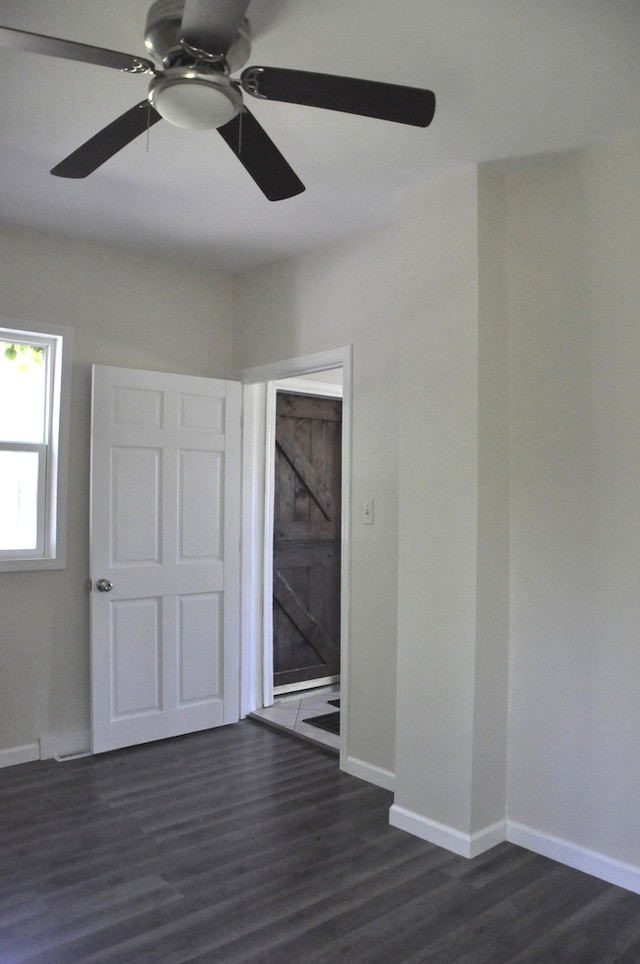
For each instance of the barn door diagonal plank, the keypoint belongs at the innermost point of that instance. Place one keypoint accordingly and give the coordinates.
(309, 475)
(302, 618)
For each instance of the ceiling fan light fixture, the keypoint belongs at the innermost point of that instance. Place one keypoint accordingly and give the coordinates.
(193, 99)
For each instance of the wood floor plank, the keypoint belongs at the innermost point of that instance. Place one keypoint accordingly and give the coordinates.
(508, 923)
(286, 886)
(398, 921)
(291, 904)
(65, 923)
(245, 844)
(601, 931)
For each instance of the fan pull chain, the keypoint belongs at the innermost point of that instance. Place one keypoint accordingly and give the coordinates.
(148, 126)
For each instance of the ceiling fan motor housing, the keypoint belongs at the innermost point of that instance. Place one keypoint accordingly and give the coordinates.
(163, 38)
(194, 90)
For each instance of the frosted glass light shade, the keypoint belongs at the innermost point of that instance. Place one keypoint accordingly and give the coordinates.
(194, 100)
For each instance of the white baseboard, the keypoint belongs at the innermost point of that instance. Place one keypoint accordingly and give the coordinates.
(463, 844)
(372, 774)
(565, 852)
(69, 743)
(19, 754)
(471, 845)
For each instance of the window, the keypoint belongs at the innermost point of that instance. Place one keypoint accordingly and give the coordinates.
(34, 409)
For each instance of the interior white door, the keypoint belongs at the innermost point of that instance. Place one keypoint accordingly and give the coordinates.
(165, 547)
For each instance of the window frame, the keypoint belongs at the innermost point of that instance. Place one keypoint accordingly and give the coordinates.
(51, 549)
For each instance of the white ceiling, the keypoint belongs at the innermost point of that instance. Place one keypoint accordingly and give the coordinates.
(512, 78)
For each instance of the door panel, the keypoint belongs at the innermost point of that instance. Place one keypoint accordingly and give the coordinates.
(307, 532)
(135, 491)
(135, 651)
(165, 524)
(199, 521)
(199, 669)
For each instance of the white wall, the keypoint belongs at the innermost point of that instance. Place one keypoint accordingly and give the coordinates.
(492, 609)
(348, 293)
(438, 501)
(453, 572)
(125, 310)
(563, 266)
(574, 299)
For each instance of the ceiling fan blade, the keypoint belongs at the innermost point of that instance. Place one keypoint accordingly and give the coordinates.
(261, 158)
(368, 98)
(36, 43)
(212, 25)
(108, 141)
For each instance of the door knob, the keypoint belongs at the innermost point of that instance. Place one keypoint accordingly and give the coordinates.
(103, 585)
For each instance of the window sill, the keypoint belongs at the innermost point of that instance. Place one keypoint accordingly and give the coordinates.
(31, 565)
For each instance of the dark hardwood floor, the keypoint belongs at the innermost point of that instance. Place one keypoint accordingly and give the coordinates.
(245, 844)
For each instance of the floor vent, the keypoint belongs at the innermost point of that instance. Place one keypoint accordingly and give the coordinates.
(73, 755)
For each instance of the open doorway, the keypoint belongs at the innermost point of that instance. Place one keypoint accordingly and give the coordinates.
(306, 531)
(261, 384)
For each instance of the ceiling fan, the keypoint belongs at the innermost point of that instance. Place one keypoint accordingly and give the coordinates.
(199, 44)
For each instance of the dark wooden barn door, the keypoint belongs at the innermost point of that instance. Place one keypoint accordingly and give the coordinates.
(306, 549)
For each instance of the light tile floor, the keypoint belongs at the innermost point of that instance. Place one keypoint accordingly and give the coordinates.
(290, 711)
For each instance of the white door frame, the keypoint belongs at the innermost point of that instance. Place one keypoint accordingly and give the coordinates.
(256, 554)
